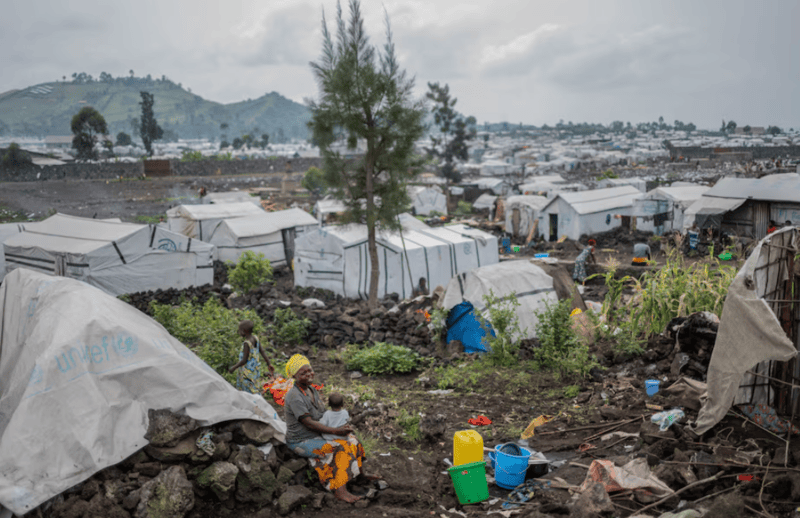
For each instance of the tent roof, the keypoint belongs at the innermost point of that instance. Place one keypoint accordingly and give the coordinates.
(598, 200)
(72, 234)
(484, 201)
(229, 197)
(775, 187)
(219, 210)
(709, 205)
(536, 202)
(685, 193)
(269, 222)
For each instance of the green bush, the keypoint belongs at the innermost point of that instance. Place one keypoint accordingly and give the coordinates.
(410, 425)
(561, 349)
(191, 156)
(504, 346)
(314, 181)
(463, 208)
(211, 330)
(381, 358)
(251, 271)
(287, 328)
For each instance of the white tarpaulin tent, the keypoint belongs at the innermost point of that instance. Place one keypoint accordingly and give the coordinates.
(532, 287)
(574, 214)
(485, 201)
(115, 257)
(427, 199)
(750, 335)
(6, 230)
(328, 206)
(672, 201)
(79, 370)
(522, 212)
(269, 233)
(337, 258)
(708, 211)
(200, 221)
(231, 197)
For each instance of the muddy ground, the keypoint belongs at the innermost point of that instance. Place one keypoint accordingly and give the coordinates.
(415, 466)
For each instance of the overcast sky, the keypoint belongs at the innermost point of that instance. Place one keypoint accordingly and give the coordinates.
(526, 61)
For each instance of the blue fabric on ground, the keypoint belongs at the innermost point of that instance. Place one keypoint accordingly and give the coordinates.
(463, 325)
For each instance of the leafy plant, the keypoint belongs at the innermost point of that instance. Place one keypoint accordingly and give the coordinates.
(150, 219)
(503, 347)
(210, 330)
(463, 208)
(191, 156)
(438, 323)
(287, 328)
(249, 272)
(410, 425)
(314, 181)
(381, 358)
(571, 391)
(560, 347)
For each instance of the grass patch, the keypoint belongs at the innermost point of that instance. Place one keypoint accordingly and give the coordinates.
(572, 391)
(151, 220)
(369, 443)
(410, 425)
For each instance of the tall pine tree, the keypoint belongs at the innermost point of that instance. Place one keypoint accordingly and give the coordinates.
(149, 130)
(365, 98)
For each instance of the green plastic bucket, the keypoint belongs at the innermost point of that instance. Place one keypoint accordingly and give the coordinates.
(469, 480)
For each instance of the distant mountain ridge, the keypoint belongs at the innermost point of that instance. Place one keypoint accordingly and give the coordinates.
(47, 109)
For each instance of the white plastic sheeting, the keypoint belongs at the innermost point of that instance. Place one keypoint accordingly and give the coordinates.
(708, 206)
(522, 212)
(427, 199)
(115, 257)
(230, 197)
(532, 287)
(79, 370)
(673, 200)
(261, 233)
(485, 201)
(327, 206)
(200, 221)
(337, 258)
(6, 230)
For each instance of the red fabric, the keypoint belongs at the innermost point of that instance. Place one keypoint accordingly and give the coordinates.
(481, 420)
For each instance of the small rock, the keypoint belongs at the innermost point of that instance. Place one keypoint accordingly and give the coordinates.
(166, 429)
(90, 488)
(382, 484)
(177, 453)
(592, 503)
(293, 497)
(313, 303)
(255, 483)
(319, 499)
(363, 503)
(102, 507)
(257, 432)
(220, 477)
(148, 469)
(355, 375)
(284, 475)
(169, 495)
(131, 501)
(296, 464)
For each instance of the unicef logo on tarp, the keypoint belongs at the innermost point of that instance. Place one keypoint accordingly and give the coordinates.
(126, 346)
(467, 248)
(167, 245)
(36, 375)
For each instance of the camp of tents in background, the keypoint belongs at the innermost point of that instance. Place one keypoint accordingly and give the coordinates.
(606, 183)
(115, 257)
(522, 214)
(230, 197)
(661, 209)
(270, 233)
(200, 221)
(337, 258)
(574, 214)
(426, 200)
(79, 370)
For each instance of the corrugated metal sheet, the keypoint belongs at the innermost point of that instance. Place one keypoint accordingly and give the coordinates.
(775, 187)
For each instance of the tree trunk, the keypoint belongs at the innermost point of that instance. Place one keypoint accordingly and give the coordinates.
(374, 275)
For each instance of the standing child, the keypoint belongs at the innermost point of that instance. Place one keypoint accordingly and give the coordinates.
(335, 417)
(248, 378)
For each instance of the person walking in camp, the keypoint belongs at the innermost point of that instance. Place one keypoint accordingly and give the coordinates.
(641, 254)
(579, 272)
(248, 378)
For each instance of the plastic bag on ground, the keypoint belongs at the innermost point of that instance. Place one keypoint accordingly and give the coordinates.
(633, 475)
(665, 419)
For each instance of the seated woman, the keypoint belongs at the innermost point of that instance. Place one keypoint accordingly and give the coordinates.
(336, 462)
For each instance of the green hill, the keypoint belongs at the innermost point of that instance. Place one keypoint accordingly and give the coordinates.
(47, 109)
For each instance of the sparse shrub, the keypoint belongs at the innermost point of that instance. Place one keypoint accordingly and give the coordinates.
(438, 323)
(249, 272)
(287, 328)
(410, 425)
(381, 358)
(210, 330)
(463, 208)
(191, 156)
(561, 348)
(504, 346)
(571, 391)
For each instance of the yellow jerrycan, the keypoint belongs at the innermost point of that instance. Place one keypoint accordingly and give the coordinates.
(467, 447)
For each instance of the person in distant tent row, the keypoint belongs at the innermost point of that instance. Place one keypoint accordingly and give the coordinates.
(772, 227)
(641, 254)
(579, 272)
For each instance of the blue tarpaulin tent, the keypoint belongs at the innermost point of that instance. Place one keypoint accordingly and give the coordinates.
(463, 325)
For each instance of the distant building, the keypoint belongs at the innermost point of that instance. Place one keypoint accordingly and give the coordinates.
(58, 141)
(754, 130)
